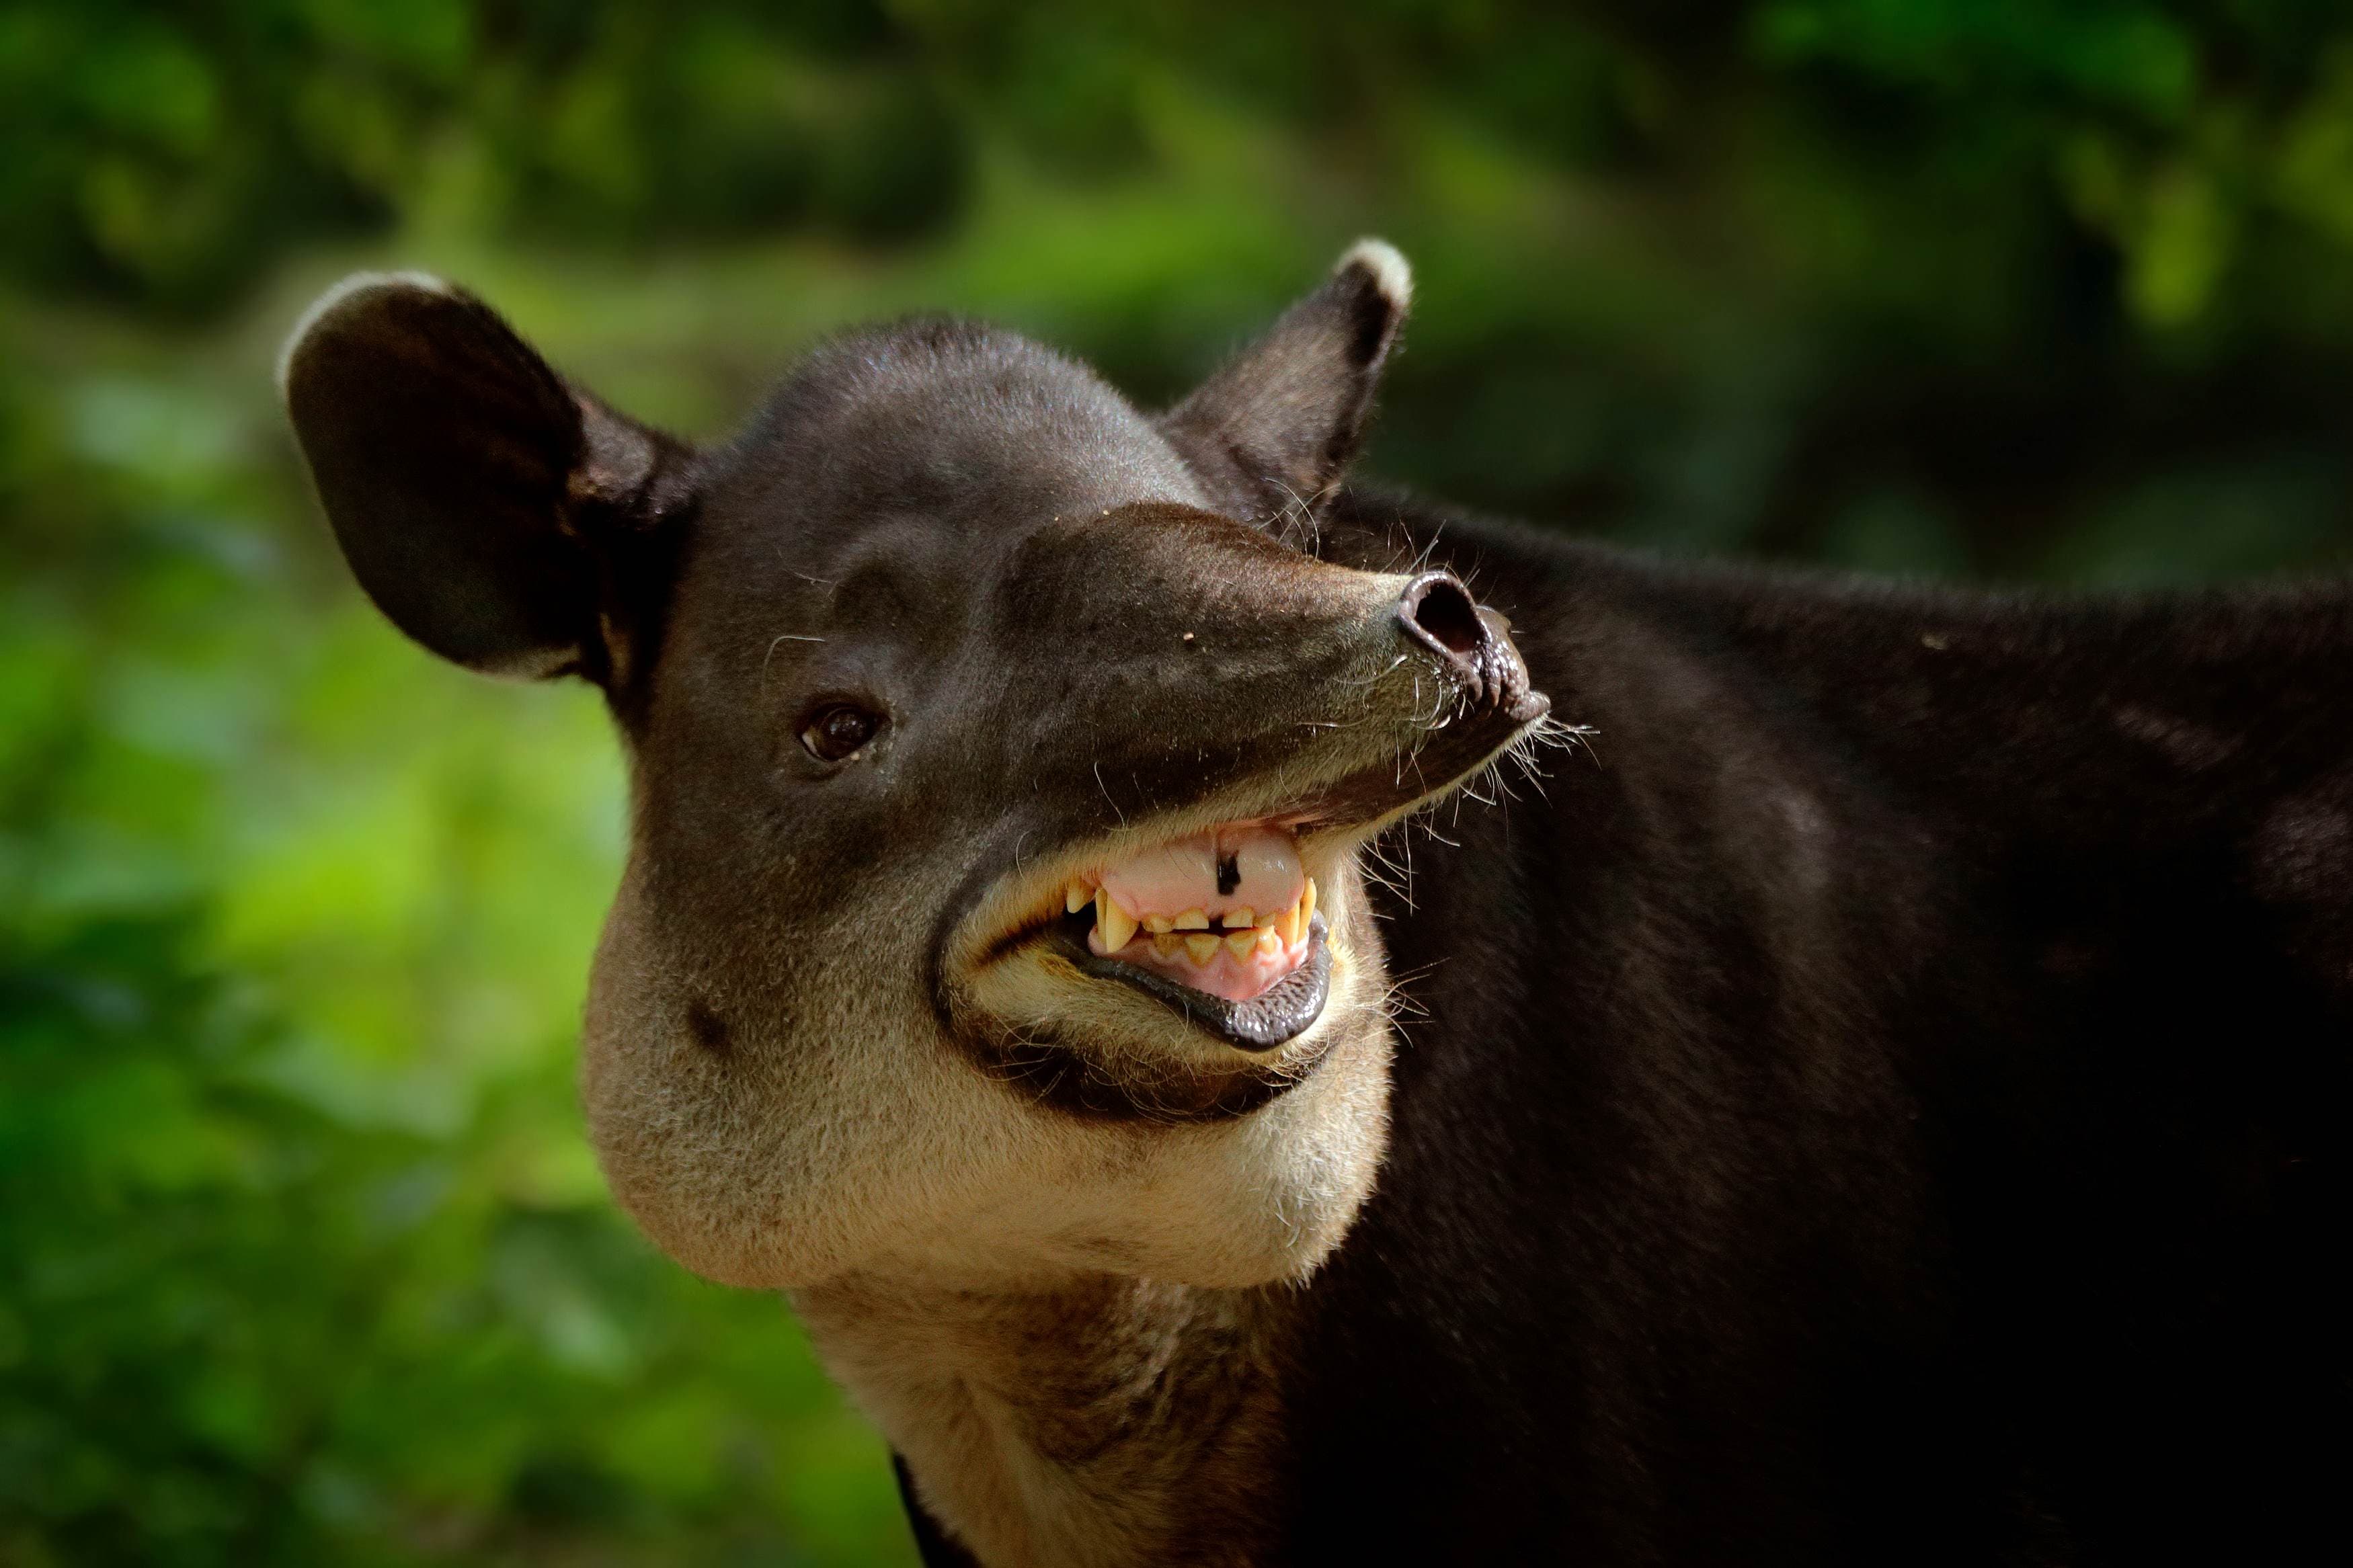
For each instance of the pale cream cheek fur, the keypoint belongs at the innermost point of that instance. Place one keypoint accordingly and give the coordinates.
(865, 1140)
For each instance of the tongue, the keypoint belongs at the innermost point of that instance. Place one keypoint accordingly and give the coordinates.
(1254, 868)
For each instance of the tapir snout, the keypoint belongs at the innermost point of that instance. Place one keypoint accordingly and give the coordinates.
(1166, 653)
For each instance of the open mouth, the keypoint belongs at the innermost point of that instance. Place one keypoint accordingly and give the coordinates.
(1221, 924)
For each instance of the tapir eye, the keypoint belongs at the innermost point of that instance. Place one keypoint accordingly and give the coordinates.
(837, 731)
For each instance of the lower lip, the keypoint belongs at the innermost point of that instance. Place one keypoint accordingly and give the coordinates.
(1265, 1022)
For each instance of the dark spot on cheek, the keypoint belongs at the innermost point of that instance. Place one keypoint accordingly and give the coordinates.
(709, 1029)
(1229, 875)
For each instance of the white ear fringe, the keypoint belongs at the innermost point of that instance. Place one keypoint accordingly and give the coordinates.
(356, 284)
(1390, 274)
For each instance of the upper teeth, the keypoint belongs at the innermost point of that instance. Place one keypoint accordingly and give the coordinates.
(1116, 923)
(1247, 930)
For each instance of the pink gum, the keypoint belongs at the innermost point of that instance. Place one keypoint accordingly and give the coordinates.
(1171, 878)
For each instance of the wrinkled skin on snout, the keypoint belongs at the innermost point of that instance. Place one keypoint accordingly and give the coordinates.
(948, 626)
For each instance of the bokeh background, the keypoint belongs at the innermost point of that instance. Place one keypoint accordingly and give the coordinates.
(303, 1258)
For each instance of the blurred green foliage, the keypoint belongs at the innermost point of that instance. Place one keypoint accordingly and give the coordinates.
(303, 1256)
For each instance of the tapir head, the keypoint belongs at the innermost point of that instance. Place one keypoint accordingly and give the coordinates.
(999, 772)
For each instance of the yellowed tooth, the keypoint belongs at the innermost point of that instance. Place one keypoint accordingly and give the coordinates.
(1236, 918)
(1114, 923)
(1307, 905)
(1293, 924)
(1076, 897)
(1165, 944)
(1202, 948)
(1192, 919)
(1241, 943)
(1156, 925)
(1269, 941)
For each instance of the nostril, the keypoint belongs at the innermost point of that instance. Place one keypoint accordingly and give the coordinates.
(1439, 609)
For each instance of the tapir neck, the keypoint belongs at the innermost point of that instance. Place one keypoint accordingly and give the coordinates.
(1101, 1420)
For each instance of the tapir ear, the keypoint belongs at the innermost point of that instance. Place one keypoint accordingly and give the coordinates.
(1278, 426)
(492, 512)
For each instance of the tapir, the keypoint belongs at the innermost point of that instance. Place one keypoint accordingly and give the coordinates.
(1259, 1019)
